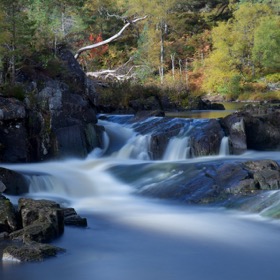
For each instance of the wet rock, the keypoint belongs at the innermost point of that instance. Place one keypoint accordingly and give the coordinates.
(42, 220)
(218, 183)
(72, 218)
(14, 182)
(263, 132)
(235, 129)
(8, 216)
(32, 252)
(206, 138)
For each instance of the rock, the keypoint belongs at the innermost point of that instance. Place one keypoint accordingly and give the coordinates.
(4, 235)
(235, 129)
(42, 220)
(216, 183)
(263, 132)
(200, 104)
(11, 109)
(14, 182)
(2, 187)
(32, 252)
(72, 218)
(206, 138)
(8, 216)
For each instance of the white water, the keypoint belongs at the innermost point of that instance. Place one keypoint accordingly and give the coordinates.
(224, 148)
(131, 237)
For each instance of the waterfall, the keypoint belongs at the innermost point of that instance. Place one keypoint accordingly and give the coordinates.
(224, 148)
(177, 149)
(136, 148)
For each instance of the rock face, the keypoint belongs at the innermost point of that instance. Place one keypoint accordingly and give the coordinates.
(56, 120)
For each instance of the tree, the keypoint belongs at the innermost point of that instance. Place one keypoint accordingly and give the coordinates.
(266, 50)
(233, 48)
(18, 30)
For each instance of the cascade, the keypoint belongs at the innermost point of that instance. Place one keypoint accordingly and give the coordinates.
(177, 149)
(224, 148)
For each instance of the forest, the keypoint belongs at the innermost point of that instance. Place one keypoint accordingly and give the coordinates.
(179, 48)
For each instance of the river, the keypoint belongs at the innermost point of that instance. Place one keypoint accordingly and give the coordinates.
(132, 237)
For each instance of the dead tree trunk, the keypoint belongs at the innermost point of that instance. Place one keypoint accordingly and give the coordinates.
(109, 40)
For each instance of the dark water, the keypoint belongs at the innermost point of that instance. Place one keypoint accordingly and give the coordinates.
(132, 237)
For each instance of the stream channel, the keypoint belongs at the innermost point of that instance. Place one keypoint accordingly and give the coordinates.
(134, 237)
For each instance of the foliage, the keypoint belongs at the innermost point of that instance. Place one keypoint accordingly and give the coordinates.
(245, 47)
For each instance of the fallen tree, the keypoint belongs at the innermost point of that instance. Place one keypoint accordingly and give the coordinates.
(109, 40)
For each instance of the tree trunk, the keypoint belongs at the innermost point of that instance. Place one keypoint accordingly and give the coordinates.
(173, 65)
(109, 40)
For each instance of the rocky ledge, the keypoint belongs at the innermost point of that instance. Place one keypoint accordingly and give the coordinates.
(25, 229)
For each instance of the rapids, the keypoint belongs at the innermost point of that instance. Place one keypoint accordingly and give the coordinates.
(133, 237)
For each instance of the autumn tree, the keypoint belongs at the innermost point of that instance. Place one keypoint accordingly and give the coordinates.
(234, 55)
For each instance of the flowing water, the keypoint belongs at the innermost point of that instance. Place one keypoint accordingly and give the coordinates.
(131, 237)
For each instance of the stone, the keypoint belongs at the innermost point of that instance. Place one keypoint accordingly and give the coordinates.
(206, 138)
(42, 220)
(32, 252)
(8, 216)
(235, 129)
(72, 218)
(14, 182)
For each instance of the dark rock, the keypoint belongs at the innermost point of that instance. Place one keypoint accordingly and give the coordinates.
(14, 182)
(42, 220)
(235, 129)
(216, 183)
(32, 252)
(4, 236)
(8, 216)
(11, 109)
(206, 138)
(200, 104)
(263, 132)
(72, 218)
(2, 187)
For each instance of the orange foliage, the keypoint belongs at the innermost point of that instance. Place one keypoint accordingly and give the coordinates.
(96, 52)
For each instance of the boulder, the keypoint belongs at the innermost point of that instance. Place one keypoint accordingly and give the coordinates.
(235, 129)
(8, 216)
(14, 182)
(205, 139)
(262, 132)
(42, 220)
(71, 218)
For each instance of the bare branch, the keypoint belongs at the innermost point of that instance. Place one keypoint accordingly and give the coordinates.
(109, 40)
